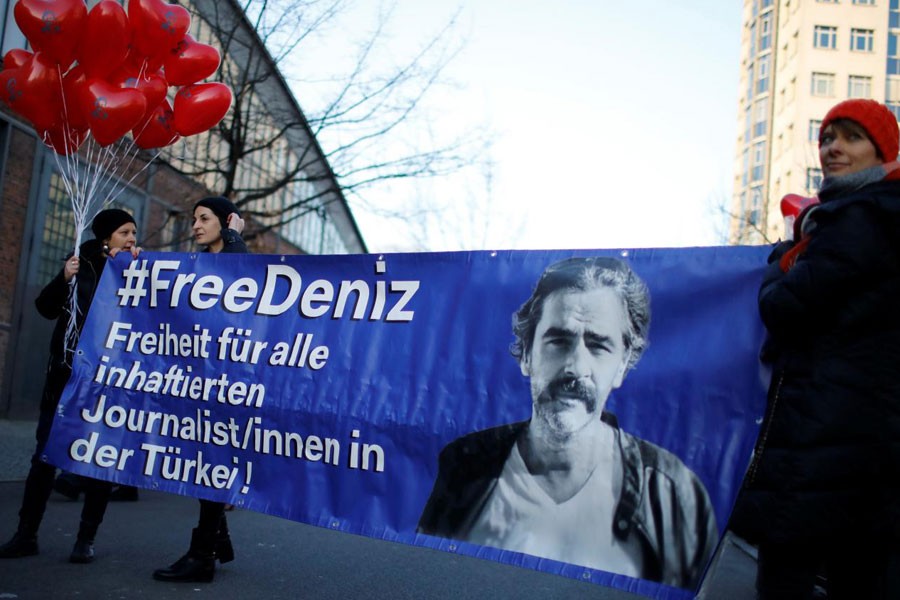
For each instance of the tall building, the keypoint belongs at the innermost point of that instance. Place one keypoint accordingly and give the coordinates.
(798, 59)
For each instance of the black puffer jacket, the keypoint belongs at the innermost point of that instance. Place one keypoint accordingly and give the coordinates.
(828, 460)
(53, 303)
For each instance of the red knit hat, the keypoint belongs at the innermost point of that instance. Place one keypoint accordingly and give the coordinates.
(876, 118)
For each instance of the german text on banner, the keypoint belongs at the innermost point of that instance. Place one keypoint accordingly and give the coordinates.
(586, 413)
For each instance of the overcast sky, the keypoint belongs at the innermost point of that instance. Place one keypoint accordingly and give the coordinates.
(614, 122)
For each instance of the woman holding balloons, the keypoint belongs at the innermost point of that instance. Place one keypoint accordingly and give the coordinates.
(115, 231)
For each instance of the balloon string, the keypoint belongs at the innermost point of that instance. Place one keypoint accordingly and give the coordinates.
(91, 186)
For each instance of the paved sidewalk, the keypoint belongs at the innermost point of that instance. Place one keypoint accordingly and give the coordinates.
(16, 446)
(276, 558)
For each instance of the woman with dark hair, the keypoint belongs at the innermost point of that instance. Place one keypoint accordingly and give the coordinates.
(217, 225)
(114, 231)
(822, 493)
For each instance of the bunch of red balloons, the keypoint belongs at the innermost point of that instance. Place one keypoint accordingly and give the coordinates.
(108, 73)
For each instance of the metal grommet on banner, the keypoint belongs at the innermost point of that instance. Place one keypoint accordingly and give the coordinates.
(586, 575)
(452, 547)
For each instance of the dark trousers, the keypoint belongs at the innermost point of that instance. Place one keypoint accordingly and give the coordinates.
(39, 486)
(855, 568)
(212, 517)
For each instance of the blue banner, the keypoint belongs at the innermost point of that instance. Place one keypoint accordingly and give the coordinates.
(605, 438)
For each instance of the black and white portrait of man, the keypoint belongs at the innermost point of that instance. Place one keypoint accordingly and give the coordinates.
(569, 484)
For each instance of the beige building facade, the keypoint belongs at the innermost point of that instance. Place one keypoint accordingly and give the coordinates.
(798, 59)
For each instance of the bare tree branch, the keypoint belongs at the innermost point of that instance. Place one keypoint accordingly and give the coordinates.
(273, 161)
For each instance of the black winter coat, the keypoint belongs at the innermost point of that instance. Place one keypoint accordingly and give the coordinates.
(828, 456)
(53, 303)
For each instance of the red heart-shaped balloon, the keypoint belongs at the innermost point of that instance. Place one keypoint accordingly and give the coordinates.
(105, 41)
(73, 111)
(34, 91)
(53, 27)
(11, 87)
(15, 58)
(200, 106)
(111, 111)
(65, 140)
(158, 26)
(158, 130)
(154, 87)
(139, 63)
(190, 62)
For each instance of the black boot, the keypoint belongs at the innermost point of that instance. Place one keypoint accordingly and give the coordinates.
(23, 543)
(223, 548)
(83, 551)
(198, 565)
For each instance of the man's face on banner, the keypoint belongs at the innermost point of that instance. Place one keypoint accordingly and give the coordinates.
(577, 357)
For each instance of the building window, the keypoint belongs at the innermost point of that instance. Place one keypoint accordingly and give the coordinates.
(862, 40)
(893, 59)
(823, 84)
(760, 110)
(859, 86)
(825, 36)
(895, 108)
(813, 180)
(864, 2)
(892, 89)
(892, 95)
(755, 206)
(753, 39)
(765, 32)
(814, 125)
(759, 161)
(762, 80)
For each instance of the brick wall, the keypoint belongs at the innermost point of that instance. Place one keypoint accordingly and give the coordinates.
(16, 186)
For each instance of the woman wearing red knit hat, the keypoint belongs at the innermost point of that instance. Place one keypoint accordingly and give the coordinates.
(822, 493)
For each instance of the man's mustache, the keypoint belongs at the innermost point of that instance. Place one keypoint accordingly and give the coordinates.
(571, 386)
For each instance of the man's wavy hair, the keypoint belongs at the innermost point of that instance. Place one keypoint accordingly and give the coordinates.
(585, 274)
